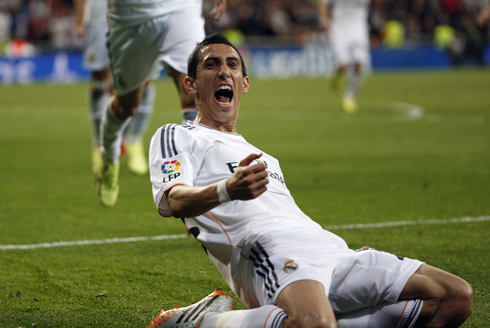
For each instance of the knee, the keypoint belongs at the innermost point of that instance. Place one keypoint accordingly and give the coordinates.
(463, 301)
(457, 305)
(314, 311)
(124, 109)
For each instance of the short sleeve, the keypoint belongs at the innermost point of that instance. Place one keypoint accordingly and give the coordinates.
(171, 163)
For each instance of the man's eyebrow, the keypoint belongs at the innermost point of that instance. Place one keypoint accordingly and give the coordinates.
(219, 58)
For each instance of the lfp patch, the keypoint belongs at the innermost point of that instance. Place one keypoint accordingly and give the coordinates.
(290, 266)
(171, 169)
(170, 166)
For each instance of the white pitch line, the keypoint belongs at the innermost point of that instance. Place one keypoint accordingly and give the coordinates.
(411, 111)
(42, 111)
(406, 223)
(167, 237)
(92, 242)
(406, 111)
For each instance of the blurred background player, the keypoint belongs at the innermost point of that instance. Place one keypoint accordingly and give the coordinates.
(91, 23)
(347, 24)
(144, 37)
(483, 16)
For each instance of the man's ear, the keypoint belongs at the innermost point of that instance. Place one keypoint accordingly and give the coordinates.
(246, 85)
(190, 85)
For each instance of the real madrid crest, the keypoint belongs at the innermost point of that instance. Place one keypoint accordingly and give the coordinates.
(289, 266)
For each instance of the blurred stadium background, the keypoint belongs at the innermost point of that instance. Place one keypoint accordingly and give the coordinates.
(281, 38)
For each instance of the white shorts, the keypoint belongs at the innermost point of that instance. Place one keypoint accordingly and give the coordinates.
(352, 280)
(95, 54)
(350, 49)
(369, 278)
(138, 53)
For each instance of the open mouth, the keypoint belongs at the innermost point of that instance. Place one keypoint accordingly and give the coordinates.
(224, 95)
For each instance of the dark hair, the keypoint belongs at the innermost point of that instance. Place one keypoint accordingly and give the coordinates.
(215, 38)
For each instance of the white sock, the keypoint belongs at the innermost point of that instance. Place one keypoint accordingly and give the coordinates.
(352, 84)
(141, 119)
(268, 316)
(410, 314)
(111, 130)
(402, 314)
(188, 114)
(98, 101)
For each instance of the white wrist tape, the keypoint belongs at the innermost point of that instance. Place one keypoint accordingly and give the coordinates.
(222, 193)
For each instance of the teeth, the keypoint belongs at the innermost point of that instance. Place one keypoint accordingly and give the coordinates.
(220, 98)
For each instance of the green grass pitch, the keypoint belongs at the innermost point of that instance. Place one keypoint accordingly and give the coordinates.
(417, 150)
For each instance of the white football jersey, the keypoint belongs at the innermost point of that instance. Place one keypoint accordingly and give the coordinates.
(196, 155)
(125, 13)
(350, 17)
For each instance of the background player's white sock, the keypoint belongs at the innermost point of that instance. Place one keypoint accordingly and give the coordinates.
(141, 119)
(188, 114)
(352, 84)
(268, 316)
(111, 130)
(402, 314)
(98, 100)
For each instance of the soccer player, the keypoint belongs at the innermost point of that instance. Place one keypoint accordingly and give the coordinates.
(347, 23)
(145, 36)
(91, 23)
(283, 266)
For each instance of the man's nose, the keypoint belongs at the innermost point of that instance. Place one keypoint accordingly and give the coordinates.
(224, 71)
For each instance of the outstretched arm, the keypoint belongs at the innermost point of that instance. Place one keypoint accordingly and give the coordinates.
(248, 182)
(323, 15)
(218, 10)
(483, 17)
(79, 11)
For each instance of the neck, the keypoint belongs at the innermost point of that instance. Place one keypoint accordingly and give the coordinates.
(228, 125)
(216, 125)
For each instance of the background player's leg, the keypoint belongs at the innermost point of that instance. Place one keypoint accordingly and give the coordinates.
(337, 81)
(133, 136)
(354, 75)
(100, 94)
(187, 100)
(114, 122)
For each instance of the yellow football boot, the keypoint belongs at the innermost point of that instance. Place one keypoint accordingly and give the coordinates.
(349, 105)
(106, 183)
(96, 160)
(137, 160)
